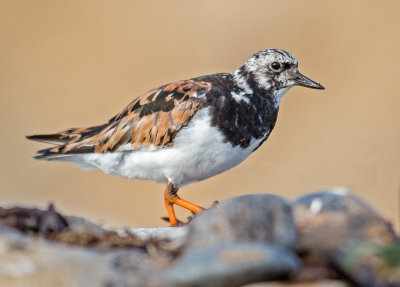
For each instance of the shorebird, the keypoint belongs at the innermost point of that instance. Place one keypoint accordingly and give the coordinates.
(185, 131)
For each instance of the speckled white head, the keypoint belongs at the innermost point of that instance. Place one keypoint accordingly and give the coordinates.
(276, 71)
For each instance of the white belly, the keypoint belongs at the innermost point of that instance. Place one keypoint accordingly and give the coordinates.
(198, 152)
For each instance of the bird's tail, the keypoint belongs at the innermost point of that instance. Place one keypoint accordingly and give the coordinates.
(67, 145)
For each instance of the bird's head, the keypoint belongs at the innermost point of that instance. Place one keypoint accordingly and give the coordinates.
(276, 71)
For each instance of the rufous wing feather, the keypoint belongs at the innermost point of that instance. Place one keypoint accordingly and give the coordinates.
(152, 119)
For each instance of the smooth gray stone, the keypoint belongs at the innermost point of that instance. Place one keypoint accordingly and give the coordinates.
(263, 217)
(232, 264)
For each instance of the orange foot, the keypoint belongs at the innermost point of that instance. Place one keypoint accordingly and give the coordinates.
(171, 197)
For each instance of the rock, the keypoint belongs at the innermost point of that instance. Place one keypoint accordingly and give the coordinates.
(28, 262)
(165, 233)
(262, 217)
(241, 240)
(139, 268)
(33, 219)
(246, 239)
(80, 253)
(327, 220)
(232, 264)
(370, 265)
(319, 283)
(332, 223)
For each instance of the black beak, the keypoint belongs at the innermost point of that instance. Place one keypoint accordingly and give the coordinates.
(302, 80)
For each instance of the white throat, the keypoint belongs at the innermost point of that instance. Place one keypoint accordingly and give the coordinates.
(278, 95)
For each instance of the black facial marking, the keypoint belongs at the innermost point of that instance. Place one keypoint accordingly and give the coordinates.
(287, 65)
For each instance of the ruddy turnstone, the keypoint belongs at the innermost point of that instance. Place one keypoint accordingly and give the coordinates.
(185, 131)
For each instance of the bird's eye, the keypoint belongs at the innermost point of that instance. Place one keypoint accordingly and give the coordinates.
(275, 66)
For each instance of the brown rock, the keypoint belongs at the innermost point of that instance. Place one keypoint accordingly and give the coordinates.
(332, 223)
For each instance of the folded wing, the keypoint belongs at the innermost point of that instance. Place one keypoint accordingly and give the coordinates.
(153, 119)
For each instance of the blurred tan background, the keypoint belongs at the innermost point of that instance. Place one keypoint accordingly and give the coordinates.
(77, 63)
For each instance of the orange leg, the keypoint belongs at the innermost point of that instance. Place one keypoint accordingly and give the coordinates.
(171, 197)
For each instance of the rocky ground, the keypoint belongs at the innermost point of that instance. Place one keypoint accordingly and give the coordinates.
(329, 238)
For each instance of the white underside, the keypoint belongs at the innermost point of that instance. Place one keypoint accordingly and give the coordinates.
(198, 152)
